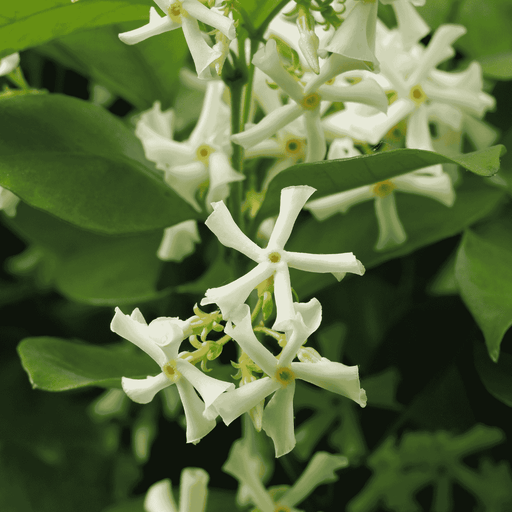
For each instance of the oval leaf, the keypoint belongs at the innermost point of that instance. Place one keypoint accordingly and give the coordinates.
(332, 176)
(85, 167)
(54, 364)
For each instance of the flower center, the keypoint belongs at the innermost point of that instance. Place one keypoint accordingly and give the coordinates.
(203, 153)
(274, 257)
(281, 508)
(383, 188)
(284, 376)
(176, 11)
(171, 372)
(418, 95)
(311, 101)
(293, 147)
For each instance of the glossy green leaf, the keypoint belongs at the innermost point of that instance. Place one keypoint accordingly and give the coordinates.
(425, 221)
(93, 268)
(256, 12)
(33, 22)
(85, 167)
(498, 66)
(484, 275)
(141, 74)
(496, 377)
(54, 364)
(331, 176)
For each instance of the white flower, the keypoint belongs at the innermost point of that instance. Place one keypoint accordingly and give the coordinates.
(426, 182)
(186, 14)
(304, 103)
(204, 157)
(411, 25)
(9, 63)
(193, 493)
(179, 241)
(161, 340)
(281, 374)
(273, 260)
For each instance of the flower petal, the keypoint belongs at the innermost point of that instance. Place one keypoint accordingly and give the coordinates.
(185, 180)
(367, 92)
(193, 490)
(317, 146)
(221, 223)
(208, 387)
(178, 241)
(132, 330)
(8, 202)
(197, 425)
(234, 403)
(157, 25)
(334, 263)
(210, 17)
(438, 187)
(391, 231)
(143, 391)
(327, 206)
(221, 175)
(335, 377)
(159, 498)
(278, 420)
(284, 299)
(9, 63)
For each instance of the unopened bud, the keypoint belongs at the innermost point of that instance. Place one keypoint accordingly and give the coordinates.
(308, 41)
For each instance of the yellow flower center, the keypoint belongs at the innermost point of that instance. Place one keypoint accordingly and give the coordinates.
(383, 188)
(203, 153)
(284, 376)
(311, 101)
(274, 257)
(293, 147)
(418, 95)
(171, 372)
(176, 11)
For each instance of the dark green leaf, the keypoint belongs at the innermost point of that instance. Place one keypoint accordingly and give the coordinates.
(85, 167)
(92, 268)
(331, 176)
(425, 222)
(34, 22)
(54, 364)
(496, 377)
(141, 74)
(484, 275)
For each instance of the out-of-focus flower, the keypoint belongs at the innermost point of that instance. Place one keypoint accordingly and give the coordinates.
(273, 260)
(9, 63)
(161, 340)
(179, 241)
(186, 14)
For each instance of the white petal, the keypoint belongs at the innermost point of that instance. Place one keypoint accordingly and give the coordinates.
(342, 148)
(132, 330)
(157, 121)
(179, 241)
(438, 187)
(411, 25)
(193, 490)
(208, 387)
(481, 134)
(230, 296)
(159, 498)
(267, 59)
(244, 335)
(197, 425)
(143, 391)
(221, 175)
(8, 202)
(368, 92)
(335, 377)
(293, 200)
(317, 146)
(268, 126)
(185, 180)
(284, 299)
(391, 231)
(269, 148)
(210, 17)
(328, 206)
(157, 25)
(9, 63)
(342, 262)
(233, 404)
(278, 420)
(202, 54)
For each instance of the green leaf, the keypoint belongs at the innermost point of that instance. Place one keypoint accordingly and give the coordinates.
(85, 167)
(141, 74)
(484, 274)
(34, 22)
(257, 11)
(54, 364)
(92, 268)
(425, 221)
(496, 377)
(332, 176)
(498, 66)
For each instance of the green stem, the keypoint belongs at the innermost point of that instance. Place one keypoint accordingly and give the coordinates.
(257, 309)
(275, 11)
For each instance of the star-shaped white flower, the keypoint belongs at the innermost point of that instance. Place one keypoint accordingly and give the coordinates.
(281, 374)
(185, 14)
(161, 340)
(273, 260)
